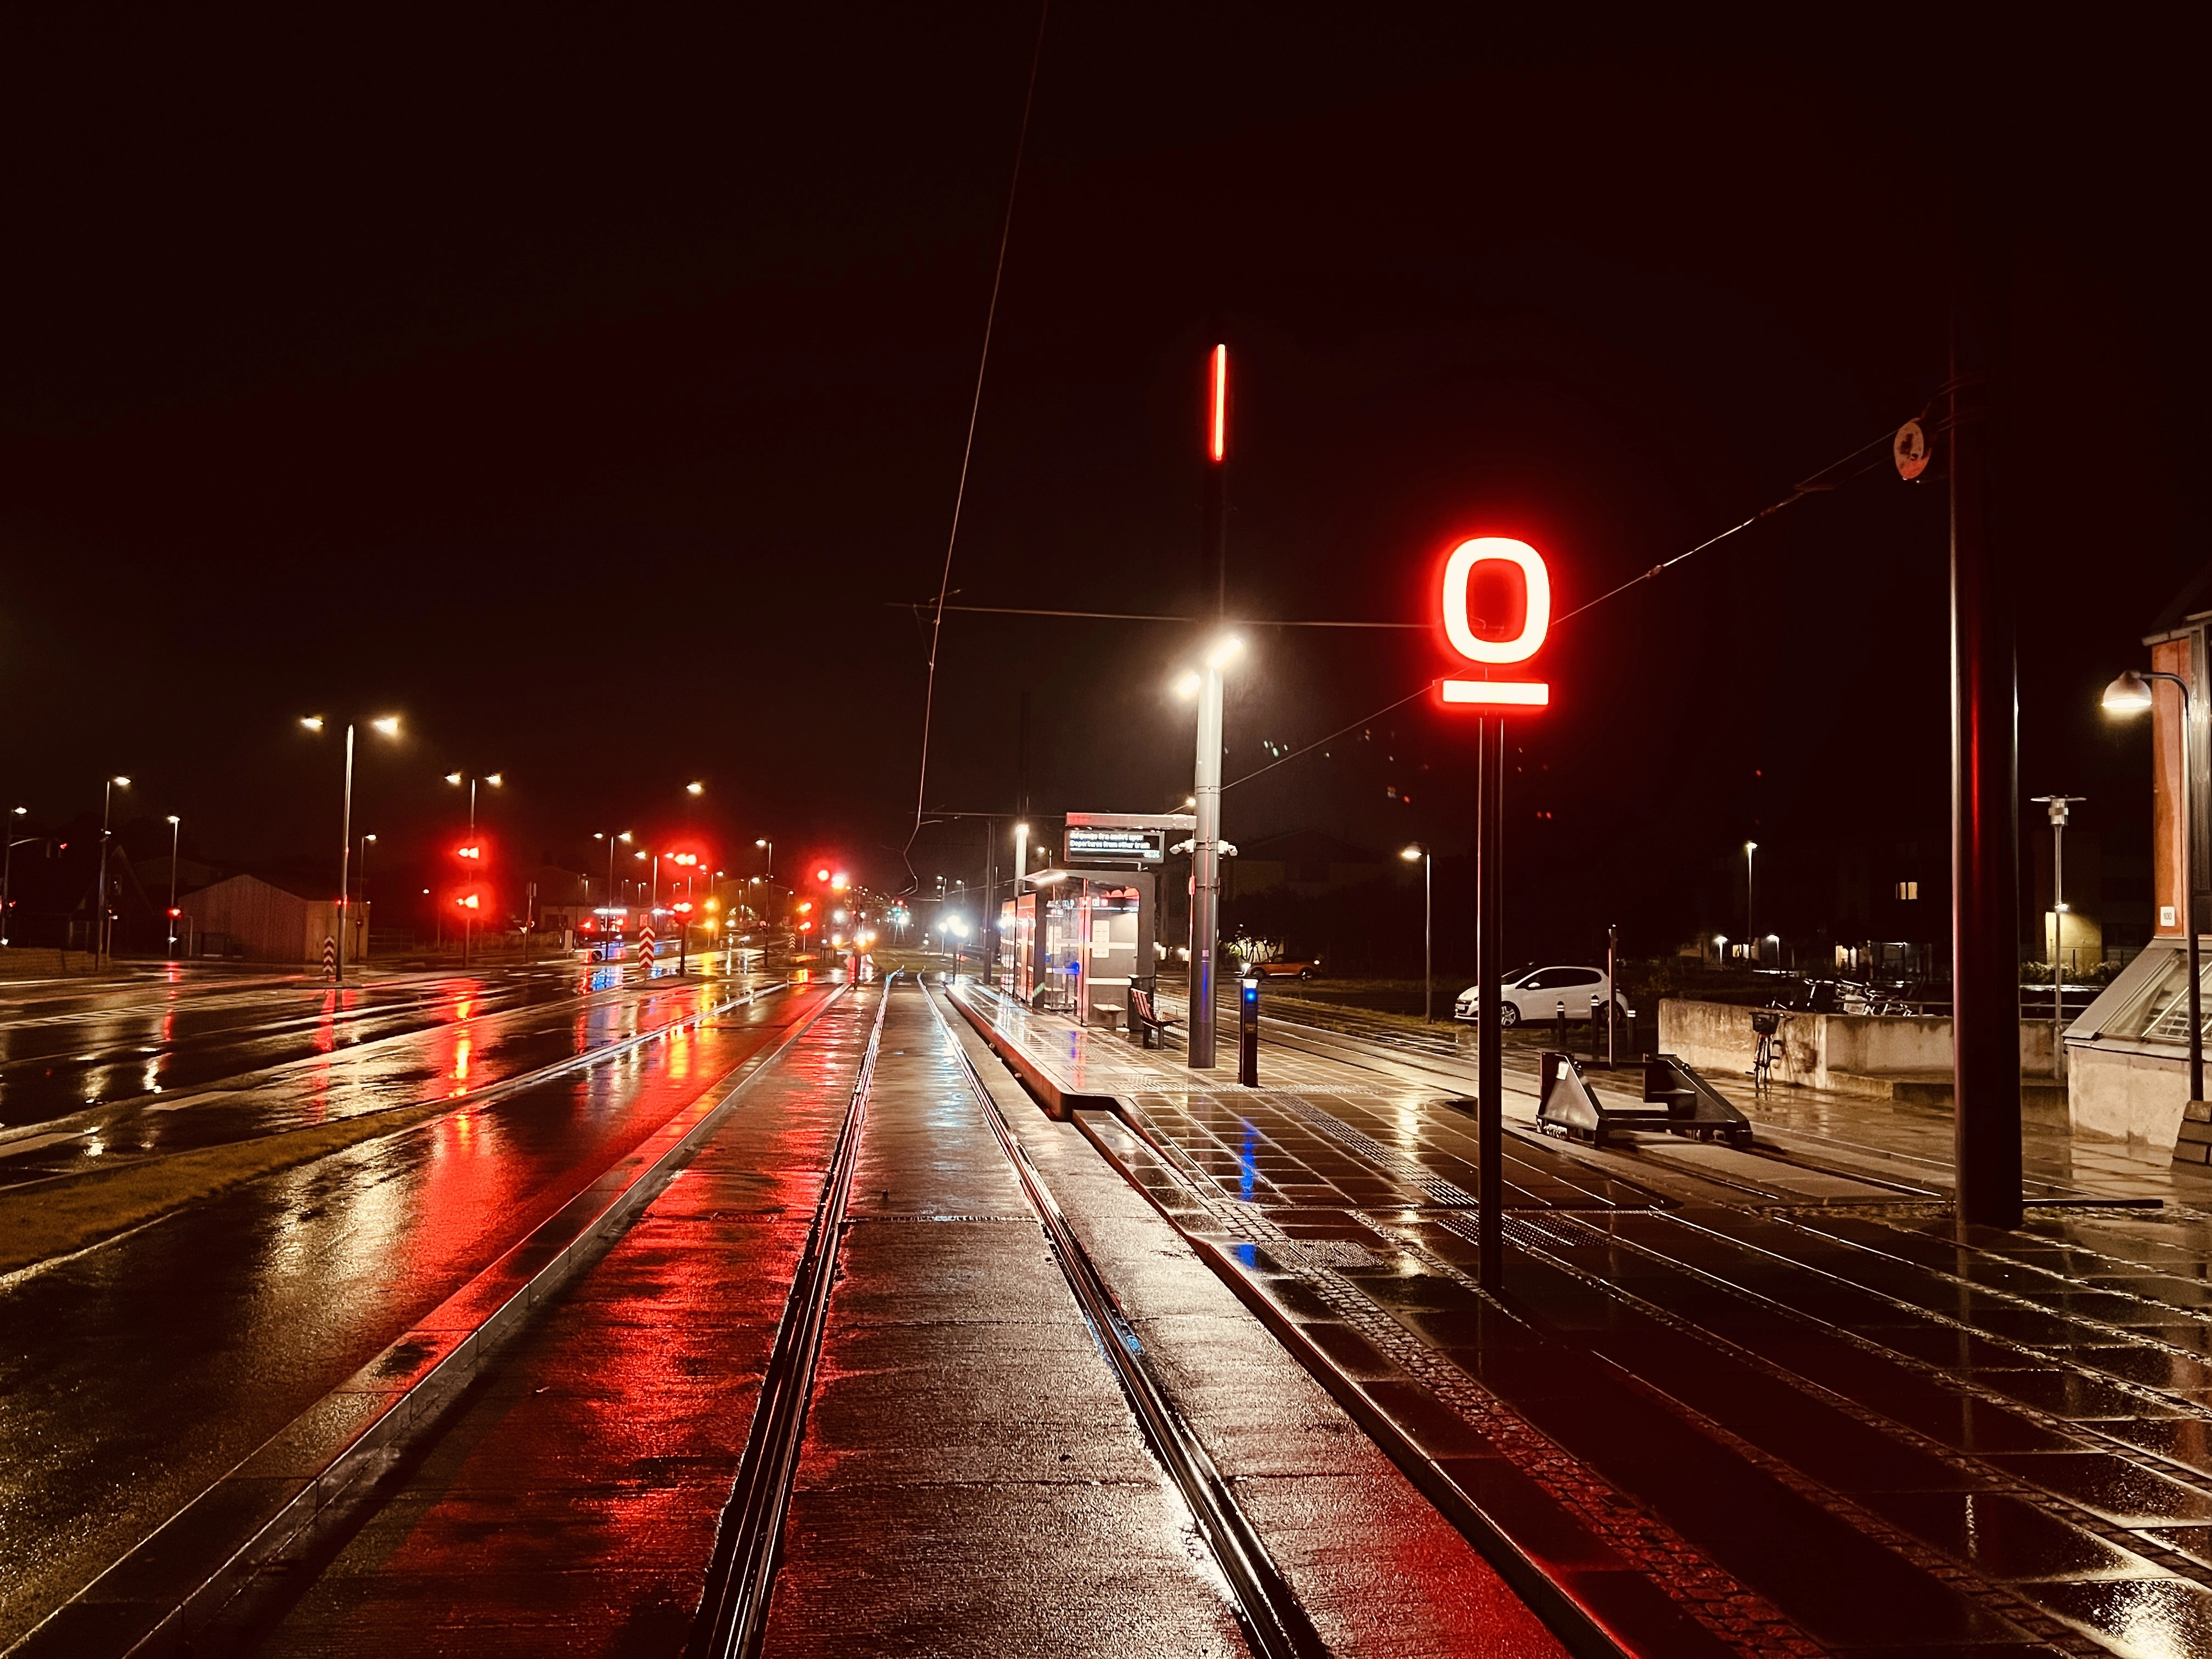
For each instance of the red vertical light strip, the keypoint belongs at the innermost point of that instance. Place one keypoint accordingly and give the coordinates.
(1220, 445)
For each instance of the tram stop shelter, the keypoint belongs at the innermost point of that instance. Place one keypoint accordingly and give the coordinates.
(1088, 924)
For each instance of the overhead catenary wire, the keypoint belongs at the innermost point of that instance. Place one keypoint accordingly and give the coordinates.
(1828, 477)
(918, 606)
(968, 446)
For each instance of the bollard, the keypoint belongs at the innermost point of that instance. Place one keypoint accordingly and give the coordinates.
(1559, 1027)
(1248, 1032)
(1596, 1046)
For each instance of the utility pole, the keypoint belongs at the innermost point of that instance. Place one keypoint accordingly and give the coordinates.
(1984, 794)
(1214, 587)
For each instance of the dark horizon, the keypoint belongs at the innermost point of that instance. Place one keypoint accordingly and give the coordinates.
(598, 407)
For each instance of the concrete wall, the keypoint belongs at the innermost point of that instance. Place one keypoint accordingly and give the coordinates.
(2118, 1096)
(1827, 1051)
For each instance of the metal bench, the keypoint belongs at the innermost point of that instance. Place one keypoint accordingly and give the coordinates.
(1145, 1020)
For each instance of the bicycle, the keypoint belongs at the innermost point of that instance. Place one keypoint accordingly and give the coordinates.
(1767, 1023)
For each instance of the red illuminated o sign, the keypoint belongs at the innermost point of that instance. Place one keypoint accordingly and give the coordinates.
(1536, 623)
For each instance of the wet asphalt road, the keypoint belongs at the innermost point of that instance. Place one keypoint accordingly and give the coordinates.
(90, 1078)
(134, 1373)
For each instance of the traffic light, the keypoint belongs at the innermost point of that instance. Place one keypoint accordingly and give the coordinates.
(470, 852)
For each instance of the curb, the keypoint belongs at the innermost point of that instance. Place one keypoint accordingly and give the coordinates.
(307, 1478)
(1060, 1104)
(1584, 1629)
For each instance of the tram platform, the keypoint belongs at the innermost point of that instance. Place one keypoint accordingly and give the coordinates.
(1769, 1397)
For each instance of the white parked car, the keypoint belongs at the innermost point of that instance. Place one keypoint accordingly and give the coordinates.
(1535, 994)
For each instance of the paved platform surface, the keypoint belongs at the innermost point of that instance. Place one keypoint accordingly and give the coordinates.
(972, 1481)
(1799, 1421)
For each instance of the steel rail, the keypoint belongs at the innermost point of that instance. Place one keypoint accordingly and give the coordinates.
(731, 1620)
(1420, 1063)
(1274, 1622)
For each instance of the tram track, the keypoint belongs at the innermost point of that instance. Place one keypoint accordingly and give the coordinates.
(1920, 1180)
(1859, 1368)
(732, 1616)
(1273, 1621)
(213, 1575)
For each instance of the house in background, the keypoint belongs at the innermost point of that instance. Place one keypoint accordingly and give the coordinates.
(265, 919)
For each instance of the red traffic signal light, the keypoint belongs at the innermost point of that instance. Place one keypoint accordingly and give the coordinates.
(468, 852)
(173, 911)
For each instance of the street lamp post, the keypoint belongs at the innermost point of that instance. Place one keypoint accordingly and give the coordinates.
(8, 870)
(1206, 685)
(610, 837)
(456, 779)
(767, 872)
(388, 725)
(176, 837)
(2058, 805)
(1750, 931)
(365, 841)
(2131, 695)
(1420, 852)
(99, 911)
(1206, 791)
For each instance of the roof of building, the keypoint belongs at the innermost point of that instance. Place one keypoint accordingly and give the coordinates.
(2191, 605)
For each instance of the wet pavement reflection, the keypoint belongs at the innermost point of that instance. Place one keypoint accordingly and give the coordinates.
(165, 1355)
(252, 1066)
(1825, 1424)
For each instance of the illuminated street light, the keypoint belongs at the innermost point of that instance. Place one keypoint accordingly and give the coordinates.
(176, 832)
(384, 725)
(2131, 695)
(1419, 854)
(8, 868)
(695, 788)
(456, 779)
(1750, 927)
(767, 872)
(366, 842)
(1206, 842)
(100, 913)
(611, 838)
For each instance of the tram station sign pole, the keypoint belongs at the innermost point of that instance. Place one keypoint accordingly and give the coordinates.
(1206, 785)
(1491, 698)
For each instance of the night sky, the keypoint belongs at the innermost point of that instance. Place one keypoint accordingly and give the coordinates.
(592, 395)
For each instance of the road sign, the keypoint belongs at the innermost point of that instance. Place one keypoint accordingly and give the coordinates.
(330, 957)
(1493, 698)
(1458, 627)
(1909, 450)
(645, 952)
